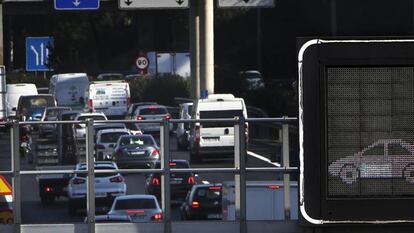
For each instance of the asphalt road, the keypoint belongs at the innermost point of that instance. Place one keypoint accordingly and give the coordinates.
(34, 212)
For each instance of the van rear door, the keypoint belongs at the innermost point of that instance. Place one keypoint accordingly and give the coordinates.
(218, 133)
(111, 98)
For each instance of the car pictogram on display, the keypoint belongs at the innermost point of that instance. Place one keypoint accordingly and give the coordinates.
(384, 159)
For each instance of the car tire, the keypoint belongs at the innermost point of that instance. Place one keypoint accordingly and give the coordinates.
(349, 173)
(408, 173)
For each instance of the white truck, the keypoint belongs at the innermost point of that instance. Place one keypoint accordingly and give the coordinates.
(264, 200)
(113, 98)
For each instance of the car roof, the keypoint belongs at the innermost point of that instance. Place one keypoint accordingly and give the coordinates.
(206, 185)
(99, 164)
(90, 114)
(114, 130)
(112, 218)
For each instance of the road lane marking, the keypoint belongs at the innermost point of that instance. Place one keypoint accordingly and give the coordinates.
(263, 158)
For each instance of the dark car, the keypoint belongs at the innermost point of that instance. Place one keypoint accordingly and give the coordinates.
(180, 183)
(32, 107)
(203, 202)
(136, 151)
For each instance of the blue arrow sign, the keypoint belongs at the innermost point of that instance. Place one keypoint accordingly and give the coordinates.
(76, 4)
(37, 53)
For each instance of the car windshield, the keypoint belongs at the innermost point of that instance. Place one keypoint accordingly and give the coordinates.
(219, 114)
(112, 137)
(37, 102)
(95, 117)
(140, 141)
(153, 111)
(136, 203)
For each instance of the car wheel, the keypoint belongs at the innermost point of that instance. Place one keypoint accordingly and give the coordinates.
(349, 173)
(408, 173)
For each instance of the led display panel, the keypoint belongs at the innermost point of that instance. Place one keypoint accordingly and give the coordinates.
(369, 131)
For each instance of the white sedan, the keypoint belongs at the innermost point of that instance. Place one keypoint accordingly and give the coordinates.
(107, 187)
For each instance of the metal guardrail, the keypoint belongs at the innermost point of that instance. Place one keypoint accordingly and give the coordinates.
(239, 168)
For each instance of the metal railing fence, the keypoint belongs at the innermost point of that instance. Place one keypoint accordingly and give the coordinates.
(239, 170)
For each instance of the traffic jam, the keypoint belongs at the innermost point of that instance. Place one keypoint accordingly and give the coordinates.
(128, 197)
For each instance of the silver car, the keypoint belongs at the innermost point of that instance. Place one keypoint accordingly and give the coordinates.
(151, 112)
(140, 208)
(107, 187)
(79, 130)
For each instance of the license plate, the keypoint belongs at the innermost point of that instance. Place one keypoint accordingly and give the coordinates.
(138, 153)
(216, 216)
(176, 181)
(100, 194)
(211, 139)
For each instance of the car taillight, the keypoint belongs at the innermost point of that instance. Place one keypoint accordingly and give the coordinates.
(191, 180)
(100, 147)
(78, 181)
(155, 181)
(155, 152)
(214, 188)
(157, 217)
(273, 187)
(90, 103)
(48, 189)
(195, 204)
(197, 133)
(168, 116)
(77, 126)
(117, 179)
(140, 118)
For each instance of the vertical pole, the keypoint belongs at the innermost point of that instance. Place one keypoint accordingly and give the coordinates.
(286, 163)
(207, 47)
(60, 143)
(90, 182)
(165, 177)
(240, 178)
(195, 49)
(17, 198)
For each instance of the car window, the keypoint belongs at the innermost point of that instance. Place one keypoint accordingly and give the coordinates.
(376, 150)
(111, 137)
(140, 141)
(98, 174)
(397, 149)
(135, 204)
(153, 111)
(37, 101)
(205, 193)
(219, 114)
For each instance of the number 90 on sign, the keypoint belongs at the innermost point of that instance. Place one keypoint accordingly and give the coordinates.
(142, 63)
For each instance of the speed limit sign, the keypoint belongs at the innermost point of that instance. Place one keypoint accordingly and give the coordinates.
(142, 63)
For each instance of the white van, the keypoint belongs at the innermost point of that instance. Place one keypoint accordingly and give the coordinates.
(110, 97)
(69, 89)
(13, 93)
(211, 138)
